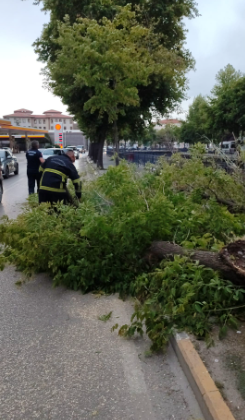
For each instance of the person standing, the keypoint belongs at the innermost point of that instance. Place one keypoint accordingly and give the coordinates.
(55, 172)
(34, 159)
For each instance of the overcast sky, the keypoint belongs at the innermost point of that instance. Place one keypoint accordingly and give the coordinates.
(215, 39)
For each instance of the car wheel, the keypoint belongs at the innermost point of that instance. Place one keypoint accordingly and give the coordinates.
(6, 175)
(16, 172)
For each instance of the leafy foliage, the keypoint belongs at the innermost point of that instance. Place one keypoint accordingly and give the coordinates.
(222, 113)
(162, 90)
(105, 317)
(183, 295)
(100, 245)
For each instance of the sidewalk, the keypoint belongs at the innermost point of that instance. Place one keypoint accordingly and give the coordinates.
(59, 362)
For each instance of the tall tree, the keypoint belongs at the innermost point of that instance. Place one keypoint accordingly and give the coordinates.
(168, 135)
(111, 60)
(165, 19)
(225, 79)
(228, 108)
(198, 125)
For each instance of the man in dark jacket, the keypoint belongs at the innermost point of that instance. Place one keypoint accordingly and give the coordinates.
(55, 172)
(34, 159)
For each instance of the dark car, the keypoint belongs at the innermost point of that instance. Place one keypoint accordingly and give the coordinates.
(9, 163)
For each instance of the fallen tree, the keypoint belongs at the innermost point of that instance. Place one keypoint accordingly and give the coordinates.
(229, 261)
(194, 267)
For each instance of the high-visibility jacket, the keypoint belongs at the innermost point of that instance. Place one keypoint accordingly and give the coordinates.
(55, 172)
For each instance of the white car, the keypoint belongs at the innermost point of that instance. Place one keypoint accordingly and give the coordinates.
(76, 152)
(50, 152)
(81, 148)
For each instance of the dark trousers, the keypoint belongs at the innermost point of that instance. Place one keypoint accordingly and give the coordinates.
(52, 197)
(32, 179)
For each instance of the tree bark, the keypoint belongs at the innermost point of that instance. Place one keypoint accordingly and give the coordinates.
(116, 142)
(230, 261)
(100, 155)
(93, 151)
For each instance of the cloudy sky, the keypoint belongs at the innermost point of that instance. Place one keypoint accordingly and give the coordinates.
(215, 39)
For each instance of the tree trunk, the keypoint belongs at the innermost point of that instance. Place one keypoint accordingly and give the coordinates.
(100, 154)
(90, 151)
(116, 142)
(230, 261)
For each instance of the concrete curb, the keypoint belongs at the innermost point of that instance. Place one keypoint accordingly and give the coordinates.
(207, 394)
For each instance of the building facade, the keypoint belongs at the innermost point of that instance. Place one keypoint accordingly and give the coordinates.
(25, 118)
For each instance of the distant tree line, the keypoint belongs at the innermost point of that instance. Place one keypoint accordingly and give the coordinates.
(219, 116)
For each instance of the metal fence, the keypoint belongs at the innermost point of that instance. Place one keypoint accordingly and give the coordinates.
(143, 157)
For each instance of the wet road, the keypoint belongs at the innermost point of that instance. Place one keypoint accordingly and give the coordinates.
(58, 361)
(16, 187)
(15, 190)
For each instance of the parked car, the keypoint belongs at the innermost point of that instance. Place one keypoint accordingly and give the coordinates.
(50, 152)
(81, 148)
(228, 146)
(7, 148)
(76, 152)
(9, 163)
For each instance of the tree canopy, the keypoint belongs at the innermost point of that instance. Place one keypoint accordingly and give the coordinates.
(165, 86)
(219, 114)
(228, 108)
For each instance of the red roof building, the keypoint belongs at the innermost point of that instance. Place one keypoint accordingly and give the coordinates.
(169, 121)
(25, 118)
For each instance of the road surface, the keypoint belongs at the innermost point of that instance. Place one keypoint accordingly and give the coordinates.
(59, 362)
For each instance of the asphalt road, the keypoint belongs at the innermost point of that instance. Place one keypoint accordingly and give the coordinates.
(59, 362)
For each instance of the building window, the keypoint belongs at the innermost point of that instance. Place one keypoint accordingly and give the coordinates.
(52, 127)
(65, 128)
(40, 128)
(52, 120)
(44, 121)
(28, 120)
(35, 121)
(44, 128)
(60, 120)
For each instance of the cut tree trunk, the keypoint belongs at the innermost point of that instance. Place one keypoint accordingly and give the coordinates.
(230, 261)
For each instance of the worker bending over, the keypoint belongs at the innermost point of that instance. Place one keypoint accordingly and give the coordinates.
(55, 172)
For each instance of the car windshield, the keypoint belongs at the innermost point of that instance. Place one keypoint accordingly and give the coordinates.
(49, 152)
(2, 153)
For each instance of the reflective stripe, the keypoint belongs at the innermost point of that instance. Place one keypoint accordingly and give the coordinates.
(52, 189)
(41, 169)
(64, 176)
(76, 181)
